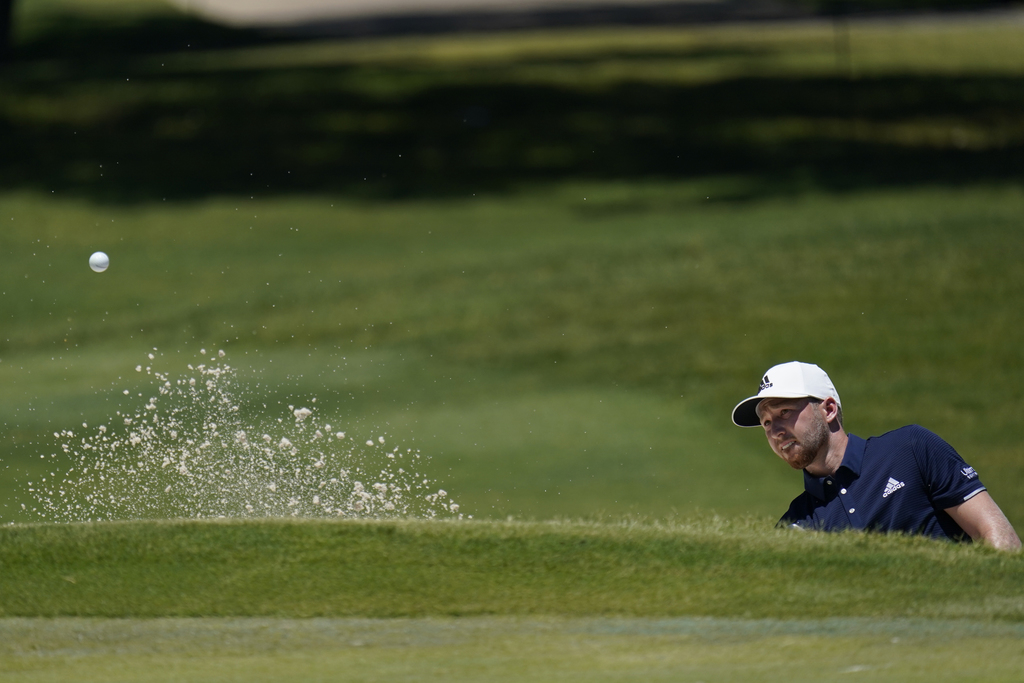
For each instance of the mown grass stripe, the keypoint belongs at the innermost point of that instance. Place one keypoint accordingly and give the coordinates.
(507, 649)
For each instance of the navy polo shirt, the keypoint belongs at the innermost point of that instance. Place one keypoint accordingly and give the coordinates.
(901, 481)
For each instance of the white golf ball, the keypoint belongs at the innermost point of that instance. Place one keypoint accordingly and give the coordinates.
(99, 261)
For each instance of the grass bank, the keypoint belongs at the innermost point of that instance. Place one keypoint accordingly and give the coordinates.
(305, 569)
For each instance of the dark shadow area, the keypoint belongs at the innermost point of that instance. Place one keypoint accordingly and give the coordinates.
(89, 111)
(238, 133)
(86, 40)
(626, 14)
(637, 13)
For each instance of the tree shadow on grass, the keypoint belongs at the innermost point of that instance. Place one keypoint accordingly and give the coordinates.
(88, 40)
(101, 118)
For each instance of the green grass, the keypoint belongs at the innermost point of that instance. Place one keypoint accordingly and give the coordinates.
(708, 567)
(708, 599)
(507, 649)
(554, 356)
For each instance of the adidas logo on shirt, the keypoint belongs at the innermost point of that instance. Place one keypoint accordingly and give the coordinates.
(892, 487)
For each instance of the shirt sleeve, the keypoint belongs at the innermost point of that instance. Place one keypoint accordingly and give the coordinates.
(949, 479)
(800, 513)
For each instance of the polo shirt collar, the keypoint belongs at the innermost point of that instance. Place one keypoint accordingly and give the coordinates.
(853, 458)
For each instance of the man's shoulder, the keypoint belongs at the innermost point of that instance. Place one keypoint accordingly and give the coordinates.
(901, 433)
(908, 435)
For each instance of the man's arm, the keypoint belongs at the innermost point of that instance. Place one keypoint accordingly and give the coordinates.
(982, 519)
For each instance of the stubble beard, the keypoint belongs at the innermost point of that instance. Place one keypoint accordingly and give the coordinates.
(816, 439)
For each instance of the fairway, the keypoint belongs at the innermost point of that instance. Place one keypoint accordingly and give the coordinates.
(548, 360)
(508, 649)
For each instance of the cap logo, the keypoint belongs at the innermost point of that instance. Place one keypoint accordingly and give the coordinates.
(765, 384)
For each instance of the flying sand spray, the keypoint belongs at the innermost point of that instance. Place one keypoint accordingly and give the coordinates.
(189, 452)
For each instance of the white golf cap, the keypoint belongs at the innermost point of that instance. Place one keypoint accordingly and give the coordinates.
(788, 380)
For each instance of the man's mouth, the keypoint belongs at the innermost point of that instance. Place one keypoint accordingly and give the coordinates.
(788, 445)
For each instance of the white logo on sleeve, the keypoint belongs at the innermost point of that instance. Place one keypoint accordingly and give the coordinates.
(892, 487)
(969, 472)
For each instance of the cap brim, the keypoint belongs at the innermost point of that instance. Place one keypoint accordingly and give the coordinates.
(745, 412)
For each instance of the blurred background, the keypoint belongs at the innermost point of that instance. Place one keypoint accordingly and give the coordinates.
(550, 245)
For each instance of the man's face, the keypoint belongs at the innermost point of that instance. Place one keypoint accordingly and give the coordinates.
(795, 428)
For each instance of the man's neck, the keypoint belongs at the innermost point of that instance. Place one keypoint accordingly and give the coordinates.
(831, 456)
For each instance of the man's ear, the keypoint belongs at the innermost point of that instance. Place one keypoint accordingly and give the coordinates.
(831, 409)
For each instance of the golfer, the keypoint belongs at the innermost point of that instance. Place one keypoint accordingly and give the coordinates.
(908, 480)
